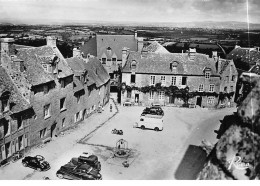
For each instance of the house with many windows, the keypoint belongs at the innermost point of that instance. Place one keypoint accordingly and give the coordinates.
(111, 50)
(162, 78)
(91, 86)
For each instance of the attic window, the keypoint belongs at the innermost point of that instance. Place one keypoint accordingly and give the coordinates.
(104, 60)
(133, 64)
(5, 101)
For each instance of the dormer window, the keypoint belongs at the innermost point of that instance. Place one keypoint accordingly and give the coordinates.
(133, 64)
(5, 102)
(104, 60)
(207, 75)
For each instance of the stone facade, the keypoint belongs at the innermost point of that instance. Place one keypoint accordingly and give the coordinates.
(51, 91)
(236, 154)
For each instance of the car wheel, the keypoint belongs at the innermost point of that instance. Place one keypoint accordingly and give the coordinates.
(142, 127)
(39, 169)
(59, 176)
(25, 164)
(156, 129)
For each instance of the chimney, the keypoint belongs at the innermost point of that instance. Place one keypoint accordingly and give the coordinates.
(144, 53)
(140, 44)
(51, 41)
(18, 64)
(124, 56)
(76, 52)
(135, 35)
(219, 64)
(192, 52)
(7, 46)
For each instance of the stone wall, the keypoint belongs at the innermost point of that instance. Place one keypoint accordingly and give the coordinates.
(237, 153)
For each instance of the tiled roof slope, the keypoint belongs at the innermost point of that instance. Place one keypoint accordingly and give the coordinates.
(156, 48)
(6, 84)
(96, 71)
(245, 55)
(33, 57)
(90, 47)
(160, 63)
(224, 63)
(116, 43)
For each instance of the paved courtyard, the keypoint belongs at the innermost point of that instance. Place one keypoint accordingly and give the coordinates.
(155, 155)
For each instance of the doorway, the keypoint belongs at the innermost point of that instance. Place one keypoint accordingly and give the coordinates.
(136, 98)
(53, 130)
(199, 100)
(171, 99)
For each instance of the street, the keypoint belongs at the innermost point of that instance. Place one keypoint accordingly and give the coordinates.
(156, 155)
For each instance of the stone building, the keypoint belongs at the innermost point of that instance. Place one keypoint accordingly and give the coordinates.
(236, 156)
(111, 51)
(91, 86)
(47, 85)
(15, 117)
(196, 71)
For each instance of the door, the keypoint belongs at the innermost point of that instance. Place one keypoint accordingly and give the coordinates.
(53, 130)
(199, 100)
(171, 99)
(136, 98)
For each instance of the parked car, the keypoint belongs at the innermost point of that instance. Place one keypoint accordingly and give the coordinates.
(91, 160)
(78, 172)
(37, 162)
(154, 110)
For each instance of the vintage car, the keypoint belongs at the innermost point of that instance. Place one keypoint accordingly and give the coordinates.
(37, 162)
(78, 172)
(154, 110)
(91, 160)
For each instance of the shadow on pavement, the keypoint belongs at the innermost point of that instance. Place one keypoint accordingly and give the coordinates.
(192, 163)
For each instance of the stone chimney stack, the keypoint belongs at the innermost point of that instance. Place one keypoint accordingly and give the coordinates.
(124, 56)
(192, 52)
(51, 41)
(7, 46)
(76, 52)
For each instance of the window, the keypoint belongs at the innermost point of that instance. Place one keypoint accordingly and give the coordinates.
(211, 100)
(104, 60)
(161, 95)
(227, 77)
(207, 75)
(63, 122)
(5, 101)
(114, 59)
(184, 81)
(78, 97)
(201, 88)
(163, 80)
(7, 128)
(231, 89)
(44, 66)
(132, 78)
(90, 89)
(62, 104)
(133, 64)
(233, 78)
(45, 89)
(211, 88)
(173, 81)
(225, 89)
(76, 117)
(42, 133)
(46, 110)
(151, 94)
(19, 122)
(152, 80)
(62, 83)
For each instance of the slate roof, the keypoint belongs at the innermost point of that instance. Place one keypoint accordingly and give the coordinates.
(224, 64)
(96, 72)
(98, 45)
(90, 47)
(245, 55)
(156, 48)
(160, 64)
(17, 101)
(33, 57)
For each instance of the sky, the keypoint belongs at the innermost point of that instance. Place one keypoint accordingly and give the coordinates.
(147, 11)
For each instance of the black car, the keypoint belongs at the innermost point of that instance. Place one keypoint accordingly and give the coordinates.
(154, 110)
(37, 162)
(78, 172)
(91, 160)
